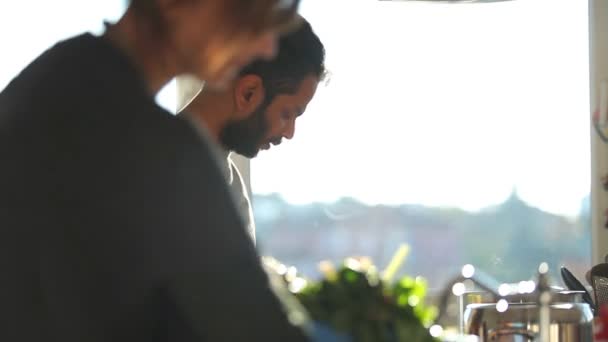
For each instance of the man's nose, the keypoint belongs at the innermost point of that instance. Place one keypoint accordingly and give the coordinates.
(290, 130)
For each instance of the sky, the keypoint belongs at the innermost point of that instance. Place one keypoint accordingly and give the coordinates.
(449, 105)
(452, 105)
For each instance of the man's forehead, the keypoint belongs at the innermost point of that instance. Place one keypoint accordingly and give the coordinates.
(301, 97)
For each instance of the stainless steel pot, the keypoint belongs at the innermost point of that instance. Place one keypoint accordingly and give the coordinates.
(520, 322)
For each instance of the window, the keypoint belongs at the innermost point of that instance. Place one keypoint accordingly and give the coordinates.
(459, 129)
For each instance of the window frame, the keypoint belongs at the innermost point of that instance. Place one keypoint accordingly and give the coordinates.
(598, 71)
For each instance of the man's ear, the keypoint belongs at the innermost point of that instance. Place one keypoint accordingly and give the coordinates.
(248, 94)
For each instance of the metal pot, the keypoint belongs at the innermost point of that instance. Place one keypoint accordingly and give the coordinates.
(520, 322)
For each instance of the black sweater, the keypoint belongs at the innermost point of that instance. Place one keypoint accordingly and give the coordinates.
(115, 221)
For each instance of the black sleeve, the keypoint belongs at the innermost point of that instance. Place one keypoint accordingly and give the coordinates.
(225, 295)
(158, 216)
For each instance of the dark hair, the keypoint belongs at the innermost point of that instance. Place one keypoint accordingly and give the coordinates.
(300, 55)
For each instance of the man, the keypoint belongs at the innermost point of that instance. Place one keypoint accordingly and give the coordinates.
(261, 106)
(115, 223)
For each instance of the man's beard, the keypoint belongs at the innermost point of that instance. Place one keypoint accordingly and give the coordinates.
(245, 137)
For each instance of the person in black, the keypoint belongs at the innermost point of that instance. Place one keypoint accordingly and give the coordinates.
(115, 221)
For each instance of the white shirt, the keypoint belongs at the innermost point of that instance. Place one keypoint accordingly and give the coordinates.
(239, 190)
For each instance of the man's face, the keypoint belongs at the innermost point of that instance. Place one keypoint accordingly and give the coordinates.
(268, 124)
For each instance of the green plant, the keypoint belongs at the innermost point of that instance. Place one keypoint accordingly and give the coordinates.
(356, 300)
